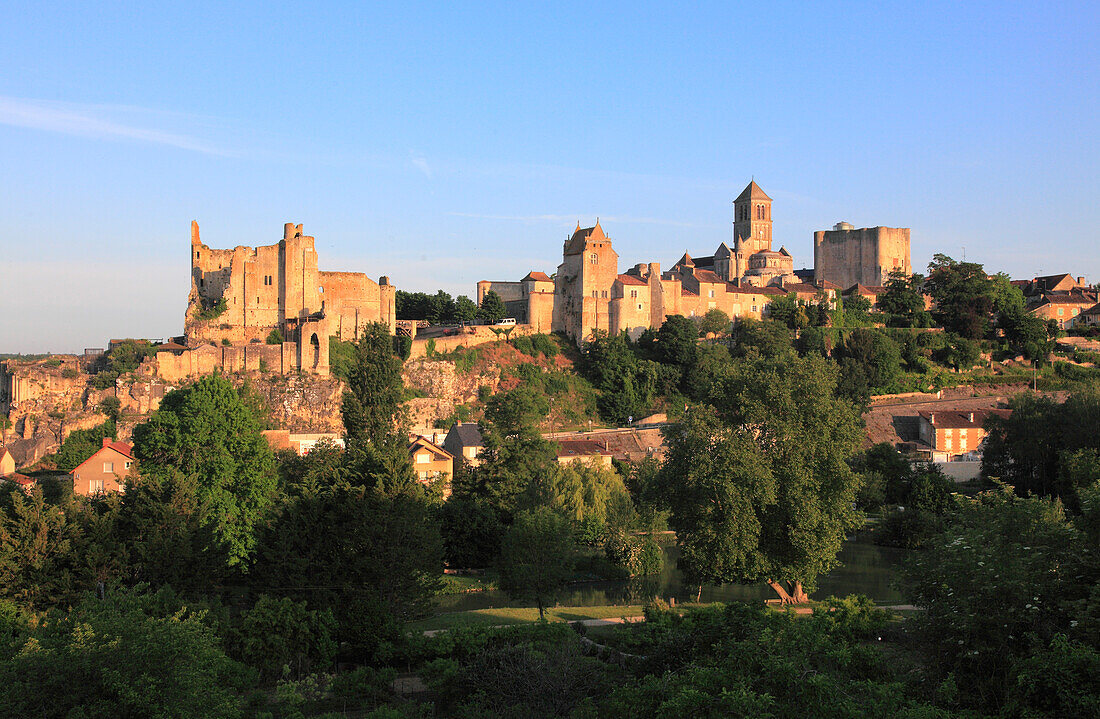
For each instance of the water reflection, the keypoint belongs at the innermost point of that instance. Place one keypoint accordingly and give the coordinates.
(865, 569)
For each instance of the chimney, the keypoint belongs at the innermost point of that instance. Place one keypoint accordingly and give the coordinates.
(1081, 281)
(106, 441)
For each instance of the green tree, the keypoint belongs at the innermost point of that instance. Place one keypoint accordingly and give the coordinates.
(492, 308)
(169, 535)
(768, 337)
(626, 383)
(465, 309)
(110, 406)
(274, 337)
(998, 586)
(878, 356)
(715, 321)
(536, 557)
(471, 532)
(1047, 447)
(119, 657)
(902, 301)
(759, 488)
(281, 636)
(789, 311)
(35, 540)
(81, 444)
(963, 295)
(374, 421)
(372, 558)
(207, 432)
(593, 498)
(677, 342)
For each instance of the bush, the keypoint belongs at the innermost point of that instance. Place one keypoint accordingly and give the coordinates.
(274, 337)
(544, 344)
(280, 637)
(523, 344)
(214, 311)
(640, 556)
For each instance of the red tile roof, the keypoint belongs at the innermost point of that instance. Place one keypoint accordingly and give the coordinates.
(538, 277)
(708, 276)
(581, 448)
(951, 419)
(631, 280)
(121, 447)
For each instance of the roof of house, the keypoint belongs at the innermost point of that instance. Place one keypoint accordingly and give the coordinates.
(121, 447)
(631, 280)
(468, 433)
(1094, 310)
(22, 480)
(170, 347)
(752, 192)
(581, 448)
(826, 285)
(576, 243)
(685, 292)
(799, 287)
(685, 261)
(708, 276)
(537, 276)
(422, 441)
(723, 251)
(951, 419)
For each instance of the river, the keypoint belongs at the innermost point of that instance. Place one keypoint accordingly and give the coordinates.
(865, 569)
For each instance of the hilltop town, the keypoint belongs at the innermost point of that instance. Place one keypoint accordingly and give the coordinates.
(269, 313)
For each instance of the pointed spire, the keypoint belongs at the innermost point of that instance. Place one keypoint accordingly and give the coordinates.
(752, 192)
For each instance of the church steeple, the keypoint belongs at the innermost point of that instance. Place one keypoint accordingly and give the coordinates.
(752, 225)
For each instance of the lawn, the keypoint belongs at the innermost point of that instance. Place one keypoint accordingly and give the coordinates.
(520, 615)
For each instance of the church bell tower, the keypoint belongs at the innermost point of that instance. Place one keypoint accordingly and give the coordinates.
(752, 225)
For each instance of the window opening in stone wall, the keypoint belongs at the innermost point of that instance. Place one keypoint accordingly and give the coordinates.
(316, 350)
(593, 259)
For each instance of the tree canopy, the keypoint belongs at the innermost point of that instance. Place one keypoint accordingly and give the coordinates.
(759, 487)
(207, 432)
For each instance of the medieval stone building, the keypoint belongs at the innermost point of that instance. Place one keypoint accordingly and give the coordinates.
(846, 256)
(588, 293)
(239, 296)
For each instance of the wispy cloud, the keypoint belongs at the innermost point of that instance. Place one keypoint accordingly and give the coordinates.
(579, 217)
(420, 162)
(92, 121)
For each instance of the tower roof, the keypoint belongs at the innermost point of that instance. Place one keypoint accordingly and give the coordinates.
(686, 261)
(752, 192)
(575, 244)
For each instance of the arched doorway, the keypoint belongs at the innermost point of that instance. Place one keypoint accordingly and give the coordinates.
(315, 344)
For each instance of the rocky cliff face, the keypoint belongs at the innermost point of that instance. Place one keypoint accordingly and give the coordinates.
(43, 401)
(443, 388)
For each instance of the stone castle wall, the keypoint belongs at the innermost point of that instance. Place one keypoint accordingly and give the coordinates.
(863, 256)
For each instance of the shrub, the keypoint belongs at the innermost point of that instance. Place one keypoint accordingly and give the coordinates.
(545, 345)
(214, 311)
(274, 337)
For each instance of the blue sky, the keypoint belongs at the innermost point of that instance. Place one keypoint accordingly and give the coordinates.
(445, 143)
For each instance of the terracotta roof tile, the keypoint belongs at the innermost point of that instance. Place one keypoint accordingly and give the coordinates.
(537, 277)
(631, 280)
